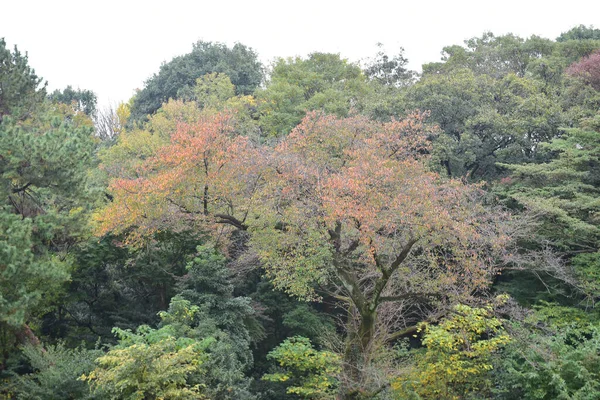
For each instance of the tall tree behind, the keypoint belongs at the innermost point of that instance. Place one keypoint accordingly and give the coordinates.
(82, 100)
(179, 75)
(322, 81)
(21, 90)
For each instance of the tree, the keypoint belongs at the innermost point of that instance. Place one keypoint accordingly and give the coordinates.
(150, 364)
(179, 75)
(81, 100)
(546, 361)
(203, 178)
(311, 372)
(56, 373)
(322, 81)
(389, 71)
(211, 89)
(485, 120)
(564, 191)
(43, 205)
(25, 275)
(580, 32)
(21, 90)
(188, 356)
(495, 56)
(458, 358)
(343, 208)
(353, 213)
(588, 69)
(219, 315)
(111, 121)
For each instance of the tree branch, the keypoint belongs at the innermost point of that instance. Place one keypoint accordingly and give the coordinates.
(408, 296)
(230, 220)
(411, 330)
(386, 273)
(402, 256)
(22, 188)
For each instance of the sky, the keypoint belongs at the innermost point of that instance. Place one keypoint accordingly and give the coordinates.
(112, 47)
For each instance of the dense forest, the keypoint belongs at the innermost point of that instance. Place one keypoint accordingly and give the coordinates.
(312, 229)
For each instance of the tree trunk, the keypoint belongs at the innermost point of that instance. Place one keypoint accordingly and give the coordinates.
(357, 355)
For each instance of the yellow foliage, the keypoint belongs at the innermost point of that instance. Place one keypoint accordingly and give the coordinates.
(457, 357)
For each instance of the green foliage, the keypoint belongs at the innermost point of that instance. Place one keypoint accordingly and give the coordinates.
(178, 77)
(495, 56)
(498, 97)
(555, 363)
(81, 100)
(485, 120)
(118, 286)
(559, 317)
(311, 373)
(207, 285)
(50, 153)
(211, 90)
(587, 270)
(24, 275)
(280, 316)
(215, 93)
(389, 71)
(43, 208)
(320, 82)
(150, 364)
(579, 32)
(305, 321)
(20, 91)
(56, 372)
(457, 358)
(565, 192)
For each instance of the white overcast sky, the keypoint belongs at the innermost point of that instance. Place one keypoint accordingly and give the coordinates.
(112, 47)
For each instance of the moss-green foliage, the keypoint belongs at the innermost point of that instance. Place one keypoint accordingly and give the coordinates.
(310, 373)
(498, 97)
(207, 289)
(55, 373)
(168, 362)
(485, 119)
(565, 189)
(24, 276)
(281, 316)
(555, 362)
(320, 82)
(117, 286)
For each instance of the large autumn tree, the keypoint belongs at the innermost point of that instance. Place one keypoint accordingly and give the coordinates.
(353, 213)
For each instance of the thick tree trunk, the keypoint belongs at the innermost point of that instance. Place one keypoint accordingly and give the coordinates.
(357, 355)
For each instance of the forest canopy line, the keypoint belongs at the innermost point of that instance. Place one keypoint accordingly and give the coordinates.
(315, 229)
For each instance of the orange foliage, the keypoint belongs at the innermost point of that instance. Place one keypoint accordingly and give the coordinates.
(202, 178)
(364, 189)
